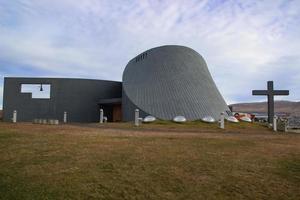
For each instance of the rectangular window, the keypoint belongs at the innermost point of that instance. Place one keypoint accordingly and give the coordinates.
(38, 91)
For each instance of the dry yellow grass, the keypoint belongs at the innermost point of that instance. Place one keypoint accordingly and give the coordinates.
(159, 161)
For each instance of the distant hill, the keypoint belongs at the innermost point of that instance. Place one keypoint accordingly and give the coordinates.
(289, 107)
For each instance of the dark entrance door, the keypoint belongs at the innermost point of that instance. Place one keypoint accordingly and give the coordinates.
(117, 113)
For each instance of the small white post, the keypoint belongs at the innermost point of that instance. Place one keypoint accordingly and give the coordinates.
(14, 119)
(101, 116)
(136, 117)
(275, 123)
(222, 123)
(65, 117)
(285, 126)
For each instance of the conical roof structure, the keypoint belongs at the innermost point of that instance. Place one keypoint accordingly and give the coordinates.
(169, 81)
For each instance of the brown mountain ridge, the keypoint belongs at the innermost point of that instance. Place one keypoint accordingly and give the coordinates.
(288, 107)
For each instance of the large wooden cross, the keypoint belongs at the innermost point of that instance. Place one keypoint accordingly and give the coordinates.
(270, 92)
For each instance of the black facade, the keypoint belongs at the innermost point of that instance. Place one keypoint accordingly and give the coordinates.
(78, 97)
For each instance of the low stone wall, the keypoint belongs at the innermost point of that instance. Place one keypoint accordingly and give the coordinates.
(46, 121)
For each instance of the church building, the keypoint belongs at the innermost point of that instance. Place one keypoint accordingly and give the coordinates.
(163, 82)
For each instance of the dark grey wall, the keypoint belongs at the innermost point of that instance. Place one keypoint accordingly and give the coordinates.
(169, 81)
(78, 97)
(128, 109)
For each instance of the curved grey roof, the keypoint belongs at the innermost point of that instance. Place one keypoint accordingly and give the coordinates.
(169, 81)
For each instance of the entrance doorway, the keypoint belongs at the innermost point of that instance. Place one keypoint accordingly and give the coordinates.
(113, 112)
(112, 109)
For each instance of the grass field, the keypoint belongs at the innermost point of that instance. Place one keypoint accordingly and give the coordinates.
(159, 161)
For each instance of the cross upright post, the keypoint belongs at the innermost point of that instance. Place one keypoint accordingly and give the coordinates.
(270, 101)
(270, 92)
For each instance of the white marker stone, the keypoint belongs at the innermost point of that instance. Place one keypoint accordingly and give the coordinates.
(65, 117)
(14, 119)
(275, 123)
(222, 121)
(101, 116)
(136, 117)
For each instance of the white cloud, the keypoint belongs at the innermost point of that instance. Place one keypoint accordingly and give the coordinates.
(243, 42)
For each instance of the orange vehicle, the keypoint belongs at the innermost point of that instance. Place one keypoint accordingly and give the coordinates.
(240, 115)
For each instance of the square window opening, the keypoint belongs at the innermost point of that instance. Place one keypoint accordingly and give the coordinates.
(38, 91)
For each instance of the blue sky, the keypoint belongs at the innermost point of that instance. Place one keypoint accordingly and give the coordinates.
(245, 43)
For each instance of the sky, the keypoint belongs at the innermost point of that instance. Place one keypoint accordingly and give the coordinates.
(245, 43)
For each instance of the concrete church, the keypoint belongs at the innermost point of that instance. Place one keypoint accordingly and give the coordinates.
(163, 82)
